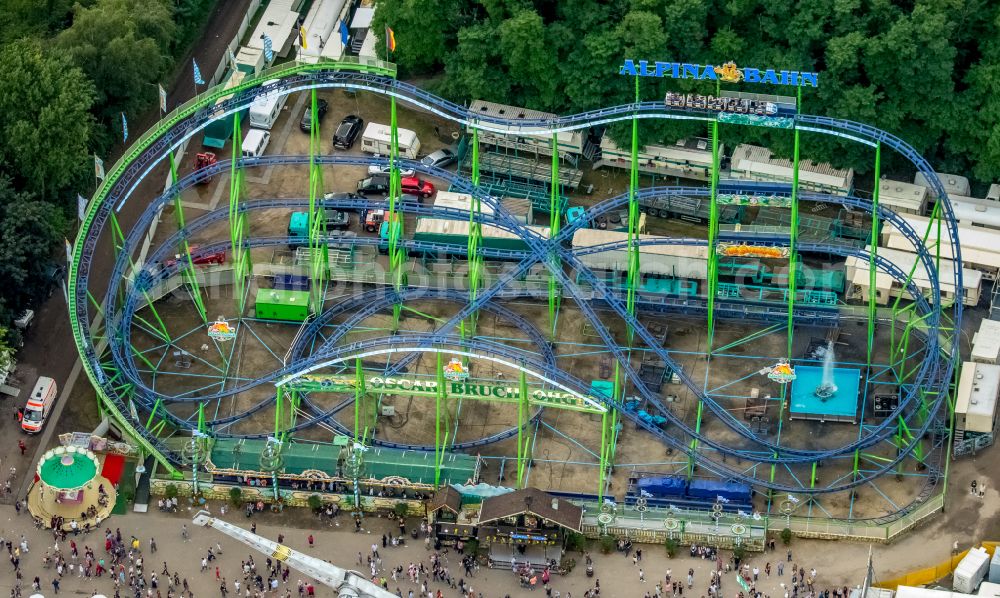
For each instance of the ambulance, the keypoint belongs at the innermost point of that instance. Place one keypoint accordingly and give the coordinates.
(40, 403)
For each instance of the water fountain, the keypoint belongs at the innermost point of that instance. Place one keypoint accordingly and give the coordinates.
(827, 388)
(825, 392)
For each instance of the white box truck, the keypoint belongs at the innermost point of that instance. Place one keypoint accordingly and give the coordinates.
(265, 110)
(971, 571)
(377, 140)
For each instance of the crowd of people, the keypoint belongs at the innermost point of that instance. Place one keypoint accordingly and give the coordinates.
(127, 565)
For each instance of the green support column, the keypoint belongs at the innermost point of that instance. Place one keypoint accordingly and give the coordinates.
(238, 224)
(359, 397)
(188, 269)
(555, 219)
(694, 441)
(523, 437)
(632, 274)
(603, 462)
(793, 236)
(872, 290)
(712, 276)
(440, 427)
(397, 255)
(319, 251)
(475, 259)
(278, 400)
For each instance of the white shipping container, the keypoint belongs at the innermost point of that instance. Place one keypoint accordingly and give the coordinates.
(377, 140)
(971, 571)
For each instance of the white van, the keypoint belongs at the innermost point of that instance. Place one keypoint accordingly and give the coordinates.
(377, 140)
(265, 110)
(255, 143)
(39, 405)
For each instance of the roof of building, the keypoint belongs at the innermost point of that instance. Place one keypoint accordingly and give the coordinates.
(953, 183)
(445, 498)
(898, 193)
(533, 501)
(760, 161)
(986, 342)
(977, 395)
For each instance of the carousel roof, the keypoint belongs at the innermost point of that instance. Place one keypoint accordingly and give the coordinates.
(67, 468)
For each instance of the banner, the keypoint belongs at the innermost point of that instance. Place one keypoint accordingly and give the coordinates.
(163, 98)
(98, 168)
(81, 207)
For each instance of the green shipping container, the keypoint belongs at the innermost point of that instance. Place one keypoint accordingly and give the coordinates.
(274, 304)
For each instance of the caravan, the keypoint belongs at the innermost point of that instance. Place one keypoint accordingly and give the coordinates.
(266, 109)
(377, 140)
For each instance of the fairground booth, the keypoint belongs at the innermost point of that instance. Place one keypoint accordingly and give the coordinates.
(527, 527)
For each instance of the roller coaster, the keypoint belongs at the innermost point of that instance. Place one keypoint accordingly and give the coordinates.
(714, 442)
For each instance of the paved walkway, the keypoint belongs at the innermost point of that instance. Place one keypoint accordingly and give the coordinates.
(837, 564)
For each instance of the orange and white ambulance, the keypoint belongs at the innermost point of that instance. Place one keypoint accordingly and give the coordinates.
(40, 402)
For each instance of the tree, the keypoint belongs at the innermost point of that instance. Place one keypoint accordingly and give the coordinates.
(418, 48)
(30, 233)
(44, 119)
(124, 47)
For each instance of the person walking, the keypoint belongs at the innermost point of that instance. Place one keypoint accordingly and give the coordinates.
(642, 576)
(55, 585)
(22, 446)
(312, 541)
(184, 533)
(152, 545)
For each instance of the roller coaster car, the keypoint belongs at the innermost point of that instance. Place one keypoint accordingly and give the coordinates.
(204, 160)
(217, 258)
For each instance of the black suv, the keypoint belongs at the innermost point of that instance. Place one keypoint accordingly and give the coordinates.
(321, 107)
(377, 184)
(347, 132)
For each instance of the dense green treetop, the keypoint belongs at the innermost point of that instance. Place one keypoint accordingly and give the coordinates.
(925, 70)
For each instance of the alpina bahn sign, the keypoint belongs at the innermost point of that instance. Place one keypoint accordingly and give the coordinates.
(727, 73)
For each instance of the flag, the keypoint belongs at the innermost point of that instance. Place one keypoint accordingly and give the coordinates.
(722, 499)
(742, 582)
(268, 49)
(98, 168)
(69, 250)
(163, 98)
(232, 60)
(302, 38)
(197, 73)
(793, 499)
(390, 39)
(81, 206)
(124, 128)
(344, 34)
(645, 493)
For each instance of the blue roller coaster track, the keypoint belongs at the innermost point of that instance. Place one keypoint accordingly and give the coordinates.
(932, 378)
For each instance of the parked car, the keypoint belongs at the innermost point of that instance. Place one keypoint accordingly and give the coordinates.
(377, 184)
(376, 169)
(439, 159)
(415, 186)
(205, 259)
(339, 195)
(321, 107)
(347, 132)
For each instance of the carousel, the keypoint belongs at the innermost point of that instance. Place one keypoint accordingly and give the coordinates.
(69, 492)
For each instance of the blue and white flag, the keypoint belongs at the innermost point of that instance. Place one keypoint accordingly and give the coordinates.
(197, 73)
(81, 207)
(344, 34)
(163, 98)
(645, 493)
(124, 128)
(722, 499)
(98, 168)
(268, 49)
